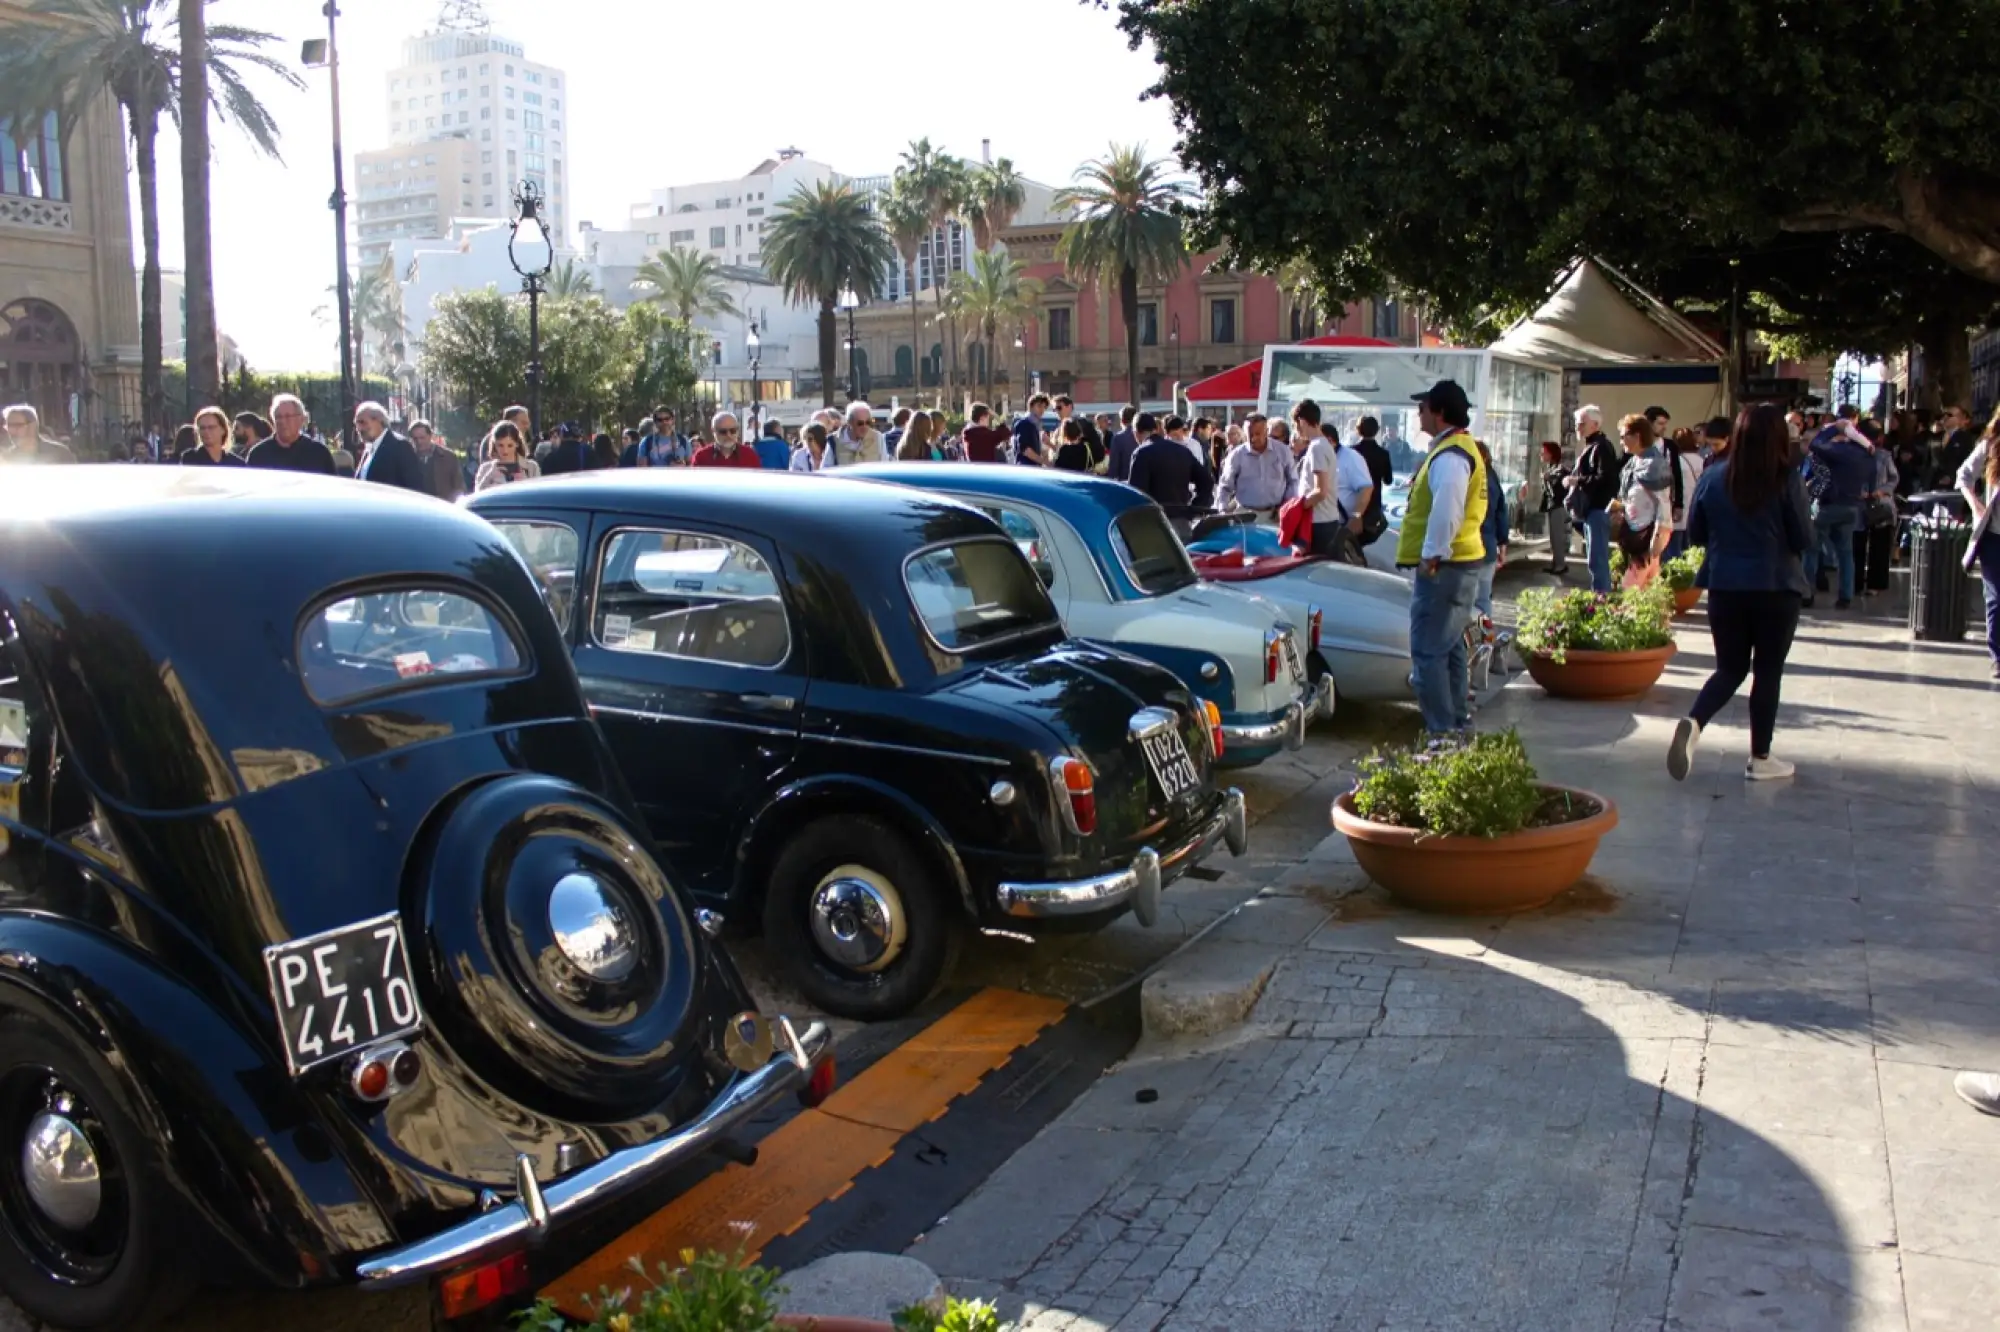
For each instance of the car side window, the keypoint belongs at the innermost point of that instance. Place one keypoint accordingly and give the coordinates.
(550, 551)
(688, 594)
(1022, 530)
(13, 745)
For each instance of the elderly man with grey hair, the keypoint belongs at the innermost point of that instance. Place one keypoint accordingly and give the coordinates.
(392, 459)
(857, 441)
(725, 447)
(289, 448)
(1593, 484)
(24, 438)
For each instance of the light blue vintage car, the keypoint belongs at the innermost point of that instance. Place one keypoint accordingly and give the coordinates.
(1121, 576)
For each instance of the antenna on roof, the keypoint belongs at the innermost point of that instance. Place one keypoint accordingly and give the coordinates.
(463, 16)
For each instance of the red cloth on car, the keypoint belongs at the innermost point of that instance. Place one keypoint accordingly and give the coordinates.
(1295, 524)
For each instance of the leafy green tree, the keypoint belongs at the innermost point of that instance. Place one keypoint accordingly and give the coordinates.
(65, 53)
(997, 298)
(659, 366)
(477, 342)
(995, 194)
(1492, 141)
(1127, 232)
(822, 241)
(907, 219)
(686, 283)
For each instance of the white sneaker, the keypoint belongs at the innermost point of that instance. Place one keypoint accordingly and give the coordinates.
(1680, 754)
(1768, 770)
(1981, 1091)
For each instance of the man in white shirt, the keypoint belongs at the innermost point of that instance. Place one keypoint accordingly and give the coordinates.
(1333, 481)
(1256, 475)
(1177, 431)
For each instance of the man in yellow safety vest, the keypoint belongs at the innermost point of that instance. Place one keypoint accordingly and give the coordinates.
(1441, 541)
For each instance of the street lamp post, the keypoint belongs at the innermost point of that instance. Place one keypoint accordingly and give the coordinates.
(848, 302)
(314, 55)
(756, 388)
(532, 255)
(1021, 346)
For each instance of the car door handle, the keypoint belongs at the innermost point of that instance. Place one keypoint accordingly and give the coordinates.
(767, 702)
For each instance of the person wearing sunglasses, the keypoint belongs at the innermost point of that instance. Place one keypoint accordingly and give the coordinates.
(727, 449)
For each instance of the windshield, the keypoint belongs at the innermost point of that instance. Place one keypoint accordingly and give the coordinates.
(401, 639)
(971, 593)
(1150, 552)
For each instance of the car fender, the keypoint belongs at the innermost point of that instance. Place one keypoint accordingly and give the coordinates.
(245, 1152)
(1190, 664)
(798, 803)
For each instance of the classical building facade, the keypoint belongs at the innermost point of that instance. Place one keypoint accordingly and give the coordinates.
(69, 314)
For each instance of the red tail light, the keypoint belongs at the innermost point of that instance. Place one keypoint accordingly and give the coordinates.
(462, 1293)
(1312, 628)
(1274, 651)
(1214, 715)
(820, 1085)
(1079, 784)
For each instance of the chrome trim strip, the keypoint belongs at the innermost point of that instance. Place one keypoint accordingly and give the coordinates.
(918, 750)
(513, 1225)
(642, 715)
(1102, 892)
(1289, 722)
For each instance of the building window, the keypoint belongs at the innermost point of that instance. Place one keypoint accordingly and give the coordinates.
(508, 70)
(556, 124)
(534, 142)
(531, 119)
(486, 158)
(1222, 321)
(510, 113)
(555, 103)
(485, 135)
(461, 71)
(675, 238)
(718, 237)
(754, 212)
(485, 90)
(484, 67)
(1149, 385)
(532, 99)
(464, 116)
(486, 178)
(534, 77)
(464, 93)
(486, 113)
(1149, 325)
(1388, 319)
(1059, 330)
(508, 93)
(32, 166)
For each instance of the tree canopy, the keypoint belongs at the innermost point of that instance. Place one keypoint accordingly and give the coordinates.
(1466, 149)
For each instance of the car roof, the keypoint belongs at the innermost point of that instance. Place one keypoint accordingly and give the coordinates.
(799, 508)
(222, 501)
(1085, 502)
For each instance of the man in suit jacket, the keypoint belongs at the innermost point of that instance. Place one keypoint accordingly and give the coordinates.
(1123, 445)
(392, 459)
(444, 469)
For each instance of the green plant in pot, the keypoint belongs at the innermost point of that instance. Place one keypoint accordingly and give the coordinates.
(1680, 572)
(1582, 644)
(1469, 826)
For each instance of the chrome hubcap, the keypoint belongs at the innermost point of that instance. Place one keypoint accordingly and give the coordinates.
(857, 919)
(59, 1166)
(591, 929)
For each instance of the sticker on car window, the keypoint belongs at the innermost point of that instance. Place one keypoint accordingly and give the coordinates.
(413, 663)
(640, 640)
(617, 630)
(459, 662)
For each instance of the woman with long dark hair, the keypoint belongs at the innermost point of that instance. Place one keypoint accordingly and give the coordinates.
(1750, 513)
(1979, 481)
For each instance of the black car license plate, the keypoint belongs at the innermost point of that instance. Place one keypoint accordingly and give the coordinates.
(1168, 754)
(341, 990)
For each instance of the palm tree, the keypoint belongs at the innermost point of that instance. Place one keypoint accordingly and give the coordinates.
(950, 310)
(994, 196)
(1127, 230)
(938, 180)
(687, 282)
(567, 280)
(997, 296)
(907, 218)
(378, 310)
(823, 241)
(118, 46)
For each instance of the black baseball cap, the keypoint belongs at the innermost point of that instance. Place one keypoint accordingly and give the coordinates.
(1446, 398)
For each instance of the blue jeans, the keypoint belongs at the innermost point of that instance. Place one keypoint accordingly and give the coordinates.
(1597, 547)
(1440, 606)
(1834, 525)
(1482, 600)
(1989, 574)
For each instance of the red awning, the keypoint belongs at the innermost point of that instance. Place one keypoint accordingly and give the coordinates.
(1241, 384)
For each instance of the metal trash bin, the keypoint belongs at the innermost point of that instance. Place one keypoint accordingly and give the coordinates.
(1939, 590)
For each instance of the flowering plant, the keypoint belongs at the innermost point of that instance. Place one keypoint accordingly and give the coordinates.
(709, 1292)
(1680, 572)
(1478, 786)
(1553, 623)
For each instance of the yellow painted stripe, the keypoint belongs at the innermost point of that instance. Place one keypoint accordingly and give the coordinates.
(815, 1156)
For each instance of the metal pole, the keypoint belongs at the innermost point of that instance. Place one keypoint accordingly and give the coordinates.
(339, 205)
(853, 382)
(533, 286)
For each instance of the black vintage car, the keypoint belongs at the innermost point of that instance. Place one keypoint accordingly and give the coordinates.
(850, 715)
(330, 947)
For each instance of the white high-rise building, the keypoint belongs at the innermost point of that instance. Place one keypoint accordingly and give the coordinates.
(500, 118)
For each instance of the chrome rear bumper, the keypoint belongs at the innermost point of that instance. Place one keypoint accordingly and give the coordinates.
(1139, 883)
(535, 1209)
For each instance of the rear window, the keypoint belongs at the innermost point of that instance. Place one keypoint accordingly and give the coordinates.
(1150, 551)
(403, 638)
(975, 592)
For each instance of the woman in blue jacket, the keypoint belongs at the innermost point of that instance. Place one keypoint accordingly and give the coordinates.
(1751, 515)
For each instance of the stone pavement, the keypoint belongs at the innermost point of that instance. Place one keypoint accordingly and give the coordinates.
(1708, 1089)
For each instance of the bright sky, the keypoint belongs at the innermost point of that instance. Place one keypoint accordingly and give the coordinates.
(661, 94)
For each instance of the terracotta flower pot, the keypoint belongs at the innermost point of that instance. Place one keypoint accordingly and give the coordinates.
(815, 1323)
(1601, 674)
(1476, 875)
(1686, 599)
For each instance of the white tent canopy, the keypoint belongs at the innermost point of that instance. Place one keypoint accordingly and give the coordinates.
(1596, 317)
